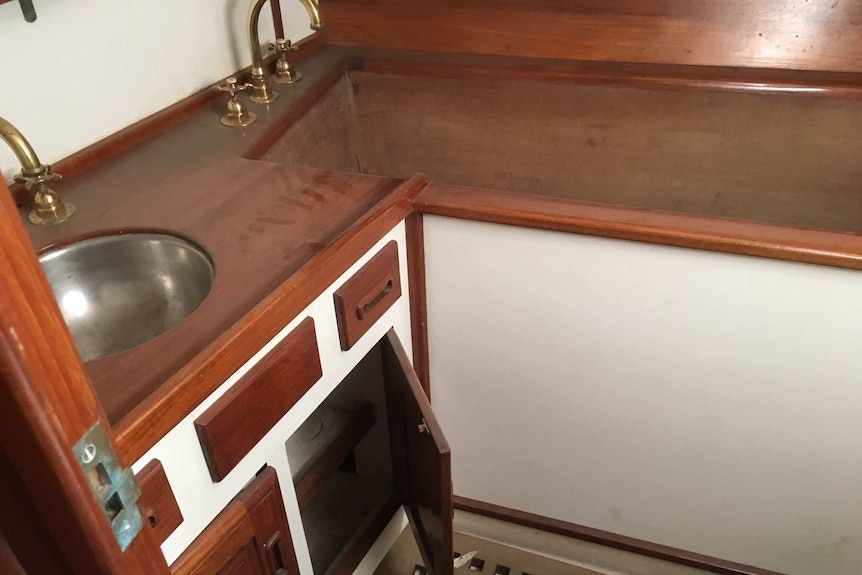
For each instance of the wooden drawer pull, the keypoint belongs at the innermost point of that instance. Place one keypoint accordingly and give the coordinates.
(363, 308)
(273, 555)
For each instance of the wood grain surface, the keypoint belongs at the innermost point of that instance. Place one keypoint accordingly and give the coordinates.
(652, 226)
(365, 297)
(792, 34)
(157, 504)
(46, 406)
(227, 429)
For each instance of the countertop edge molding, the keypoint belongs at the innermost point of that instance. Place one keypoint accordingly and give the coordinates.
(836, 249)
(165, 408)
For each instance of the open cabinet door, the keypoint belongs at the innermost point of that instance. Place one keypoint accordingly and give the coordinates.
(48, 410)
(421, 459)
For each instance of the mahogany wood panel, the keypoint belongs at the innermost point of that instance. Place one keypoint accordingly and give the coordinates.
(715, 234)
(242, 416)
(25, 531)
(157, 504)
(273, 541)
(230, 535)
(793, 34)
(249, 537)
(46, 405)
(784, 159)
(154, 417)
(663, 552)
(311, 482)
(365, 297)
(418, 300)
(421, 458)
(8, 562)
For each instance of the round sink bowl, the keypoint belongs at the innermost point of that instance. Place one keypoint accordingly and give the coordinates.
(120, 291)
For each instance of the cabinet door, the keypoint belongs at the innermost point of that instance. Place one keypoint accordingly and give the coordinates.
(421, 459)
(250, 537)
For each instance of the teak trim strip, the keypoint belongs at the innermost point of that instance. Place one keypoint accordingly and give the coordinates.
(160, 412)
(837, 249)
(608, 539)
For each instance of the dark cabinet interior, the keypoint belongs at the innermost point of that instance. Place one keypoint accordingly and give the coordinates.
(249, 537)
(370, 447)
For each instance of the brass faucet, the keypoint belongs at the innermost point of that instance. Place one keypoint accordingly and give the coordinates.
(49, 208)
(263, 93)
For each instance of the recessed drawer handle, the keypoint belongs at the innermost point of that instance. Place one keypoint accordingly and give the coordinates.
(382, 291)
(273, 555)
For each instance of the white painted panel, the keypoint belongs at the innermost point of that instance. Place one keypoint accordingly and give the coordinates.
(705, 401)
(88, 68)
(199, 499)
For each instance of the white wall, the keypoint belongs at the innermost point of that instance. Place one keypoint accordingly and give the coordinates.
(705, 401)
(88, 68)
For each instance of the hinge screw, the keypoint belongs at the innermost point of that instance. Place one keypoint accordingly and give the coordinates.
(88, 454)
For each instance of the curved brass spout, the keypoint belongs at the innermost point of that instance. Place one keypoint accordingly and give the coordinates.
(263, 94)
(22, 149)
(35, 175)
(313, 10)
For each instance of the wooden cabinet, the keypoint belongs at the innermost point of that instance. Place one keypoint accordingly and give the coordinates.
(372, 446)
(250, 537)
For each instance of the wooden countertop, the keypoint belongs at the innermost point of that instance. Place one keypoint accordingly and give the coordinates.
(260, 222)
(279, 234)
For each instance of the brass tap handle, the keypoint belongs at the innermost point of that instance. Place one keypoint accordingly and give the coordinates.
(284, 71)
(237, 114)
(232, 87)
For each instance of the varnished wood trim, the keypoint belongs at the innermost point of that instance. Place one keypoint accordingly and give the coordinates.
(418, 299)
(782, 34)
(128, 137)
(599, 537)
(652, 76)
(277, 20)
(157, 504)
(268, 390)
(162, 410)
(837, 249)
(46, 405)
(221, 540)
(351, 560)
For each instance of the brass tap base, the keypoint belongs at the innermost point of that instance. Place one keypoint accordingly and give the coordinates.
(238, 121)
(264, 99)
(48, 218)
(292, 78)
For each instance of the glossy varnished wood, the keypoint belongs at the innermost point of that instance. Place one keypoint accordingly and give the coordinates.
(8, 562)
(244, 537)
(227, 430)
(651, 226)
(418, 299)
(157, 504)
(421, 458)
(273, 540)
(46, 405)
(188, 386)
(566, 529)
(784, 159)
(365, 297)
(795, 34)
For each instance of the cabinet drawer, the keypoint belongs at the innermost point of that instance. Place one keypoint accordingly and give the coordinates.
(365, 297)
(157, 503)
(241, 417)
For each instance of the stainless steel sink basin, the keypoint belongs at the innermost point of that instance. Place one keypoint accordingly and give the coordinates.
(120, 291)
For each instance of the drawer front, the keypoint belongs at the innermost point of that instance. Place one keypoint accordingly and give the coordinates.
(365, 297)
(241, 417)
(157, 503)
